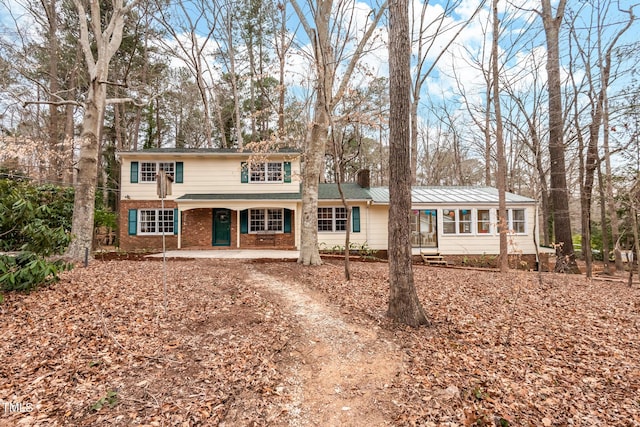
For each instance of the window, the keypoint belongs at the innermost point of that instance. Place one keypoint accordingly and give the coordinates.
(484, 221)
(266, 172)
(464, 224)
(149, 170)
(155, 221)
(449, 221)
(456, 221)
(516, 221)
(332, 219)
(264, 220)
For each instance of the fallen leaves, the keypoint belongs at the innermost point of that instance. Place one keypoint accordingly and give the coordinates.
(97, 348)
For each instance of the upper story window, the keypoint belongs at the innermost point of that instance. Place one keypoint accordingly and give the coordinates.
(266, 172)
(149, 170)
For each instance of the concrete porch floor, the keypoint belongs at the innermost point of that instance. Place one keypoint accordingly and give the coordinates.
(231, 253)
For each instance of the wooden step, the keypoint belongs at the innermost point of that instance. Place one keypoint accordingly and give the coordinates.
(433, 259)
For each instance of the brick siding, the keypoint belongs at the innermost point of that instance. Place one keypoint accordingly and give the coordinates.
(143, 243)
(197, 229)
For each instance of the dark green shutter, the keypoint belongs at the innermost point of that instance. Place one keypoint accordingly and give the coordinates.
(287, 221)
(244, 172)
(179, 172)
(244, 221)
(355, 219)
(134, 172)
(287, 171)
(133, 222)
(175, 221)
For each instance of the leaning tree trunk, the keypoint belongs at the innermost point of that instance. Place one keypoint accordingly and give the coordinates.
(97, 57)
(315, 148)
(404, 305)
(85, 190)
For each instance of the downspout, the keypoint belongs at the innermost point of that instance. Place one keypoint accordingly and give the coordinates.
(179, 228)
(368, 223)
(238, 229)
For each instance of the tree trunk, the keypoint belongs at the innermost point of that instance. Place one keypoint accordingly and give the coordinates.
(85, 188)
(603, 221)
(565, 256)
(501, 175)
(404, 305)
(107, 44)
(56, 146)
(314, 152)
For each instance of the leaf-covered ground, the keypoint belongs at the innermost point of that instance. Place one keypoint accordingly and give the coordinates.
(275, 343)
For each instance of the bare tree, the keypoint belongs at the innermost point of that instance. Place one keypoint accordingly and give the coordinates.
(565, 256)
(597, 87)
(192, 50)
(329, 40)
(501, 176)
(404, 305)
(430, 29)
(106, 35)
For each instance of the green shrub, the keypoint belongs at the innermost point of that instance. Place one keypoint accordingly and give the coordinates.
(35, 221)
(105, 218)
(27, 270)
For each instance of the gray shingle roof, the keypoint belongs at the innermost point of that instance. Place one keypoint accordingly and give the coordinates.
(283, 150)
(351, 192)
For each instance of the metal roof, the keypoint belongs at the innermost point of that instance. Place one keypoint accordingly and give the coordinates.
(450, 195)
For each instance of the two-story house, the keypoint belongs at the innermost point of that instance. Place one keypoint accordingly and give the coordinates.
(222, 198)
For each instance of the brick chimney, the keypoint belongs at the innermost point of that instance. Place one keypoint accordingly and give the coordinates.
(363, 179)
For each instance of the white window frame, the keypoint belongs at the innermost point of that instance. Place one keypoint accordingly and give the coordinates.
(457, 222)
(271, 221)
(149, 176)
(266, 172)
(156, 222)
(513, 221)
(334, 219)
(488, 221)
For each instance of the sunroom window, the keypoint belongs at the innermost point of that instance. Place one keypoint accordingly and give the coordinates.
(456, 221)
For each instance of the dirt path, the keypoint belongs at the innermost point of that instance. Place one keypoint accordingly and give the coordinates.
(339, 373)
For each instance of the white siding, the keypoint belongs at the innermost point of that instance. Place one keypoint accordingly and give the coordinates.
(458, 244)
(329, 240)
(206, 175)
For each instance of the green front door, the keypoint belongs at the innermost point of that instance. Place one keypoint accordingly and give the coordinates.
(221, 227)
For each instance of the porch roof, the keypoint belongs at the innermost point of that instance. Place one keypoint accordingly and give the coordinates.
(241, 196)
